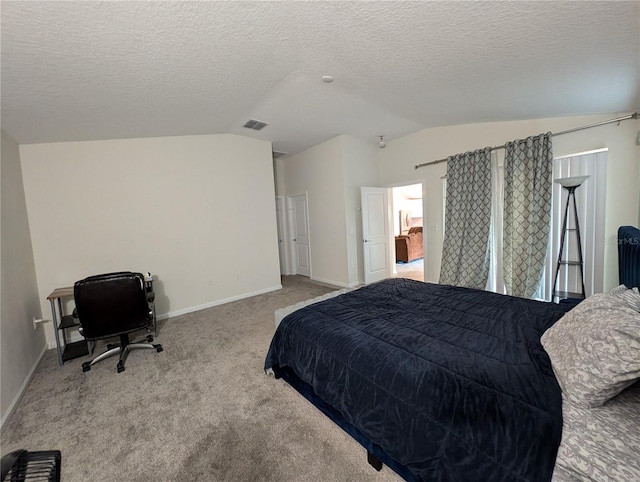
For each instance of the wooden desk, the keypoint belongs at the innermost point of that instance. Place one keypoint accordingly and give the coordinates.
(61, 322)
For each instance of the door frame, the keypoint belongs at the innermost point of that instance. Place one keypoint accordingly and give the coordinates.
(291, 258)
(283, 224)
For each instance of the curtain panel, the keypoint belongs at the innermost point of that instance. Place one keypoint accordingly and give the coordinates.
(465, 252)
(528, 167)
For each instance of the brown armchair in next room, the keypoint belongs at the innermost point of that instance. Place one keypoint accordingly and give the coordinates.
(409, 246)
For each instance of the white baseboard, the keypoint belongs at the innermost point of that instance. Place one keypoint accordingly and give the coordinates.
(14, 403)
(76, 336)
(191, 309)
(335, 283)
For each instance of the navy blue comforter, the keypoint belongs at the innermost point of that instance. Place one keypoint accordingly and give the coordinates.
(451, 382)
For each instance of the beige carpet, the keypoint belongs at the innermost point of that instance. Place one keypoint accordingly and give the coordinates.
(202, 410)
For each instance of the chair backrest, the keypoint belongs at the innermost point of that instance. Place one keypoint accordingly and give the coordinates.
(111, 304)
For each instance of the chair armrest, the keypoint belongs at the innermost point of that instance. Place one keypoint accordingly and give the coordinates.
(8, 461)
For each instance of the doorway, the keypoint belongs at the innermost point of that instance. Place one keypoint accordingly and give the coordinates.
(408, 221)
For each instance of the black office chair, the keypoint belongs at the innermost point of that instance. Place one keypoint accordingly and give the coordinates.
(114, 304)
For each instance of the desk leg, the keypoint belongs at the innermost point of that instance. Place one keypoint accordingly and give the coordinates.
(54, 315)
(155, 319)
(64, 331)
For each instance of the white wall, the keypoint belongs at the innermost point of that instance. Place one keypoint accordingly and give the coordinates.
(623, 190)
(278, 170)
(319, 172)
(402, 203)
(196, 211)
(20, 346)
(332, 173)
(360, 169)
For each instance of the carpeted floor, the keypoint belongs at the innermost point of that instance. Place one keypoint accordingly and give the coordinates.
(202, 410)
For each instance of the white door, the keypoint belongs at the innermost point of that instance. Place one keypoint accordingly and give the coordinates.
(375, 233)
(300, 232)
(280, 218)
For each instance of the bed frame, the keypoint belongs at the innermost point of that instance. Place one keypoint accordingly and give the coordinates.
(376, 456)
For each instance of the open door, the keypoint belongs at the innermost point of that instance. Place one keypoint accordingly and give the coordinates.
(375, 233)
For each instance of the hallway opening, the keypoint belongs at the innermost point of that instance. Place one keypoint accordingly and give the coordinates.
(408, 236)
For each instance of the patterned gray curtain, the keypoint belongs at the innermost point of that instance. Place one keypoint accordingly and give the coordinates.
(465, 253)
(527, 212)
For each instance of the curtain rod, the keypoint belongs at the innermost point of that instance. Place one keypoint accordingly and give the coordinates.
(635, 115)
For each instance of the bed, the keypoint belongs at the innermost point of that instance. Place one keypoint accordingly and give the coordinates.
(601, 442)
(443, 383)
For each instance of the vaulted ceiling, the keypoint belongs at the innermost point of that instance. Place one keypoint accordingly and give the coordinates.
(102, 70)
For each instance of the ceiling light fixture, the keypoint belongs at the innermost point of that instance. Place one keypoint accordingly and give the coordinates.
(382, 144)
(327, 79)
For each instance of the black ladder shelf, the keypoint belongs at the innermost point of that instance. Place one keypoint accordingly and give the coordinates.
(563, 262)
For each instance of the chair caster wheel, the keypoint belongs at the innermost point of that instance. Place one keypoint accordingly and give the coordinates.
(86, 366)
(158, 348)
(149, 338)
(120, 367)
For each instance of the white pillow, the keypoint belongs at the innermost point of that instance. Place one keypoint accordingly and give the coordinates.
(595, 348)
(631, 296)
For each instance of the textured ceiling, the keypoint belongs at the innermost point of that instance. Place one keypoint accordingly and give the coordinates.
(103, 70)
